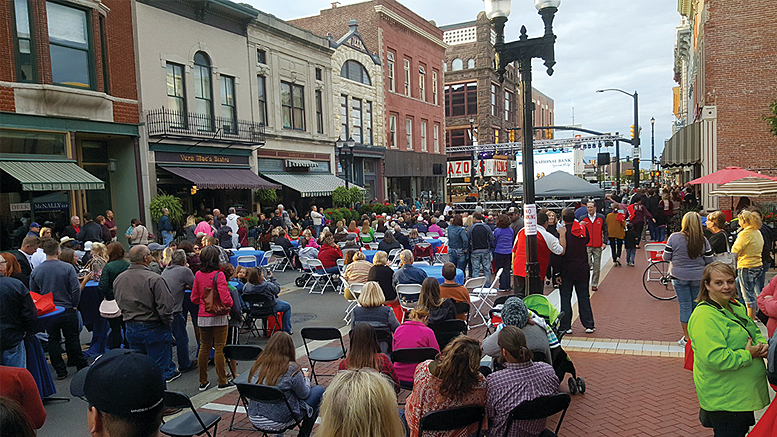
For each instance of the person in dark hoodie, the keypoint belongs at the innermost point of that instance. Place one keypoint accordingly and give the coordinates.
(90, 231)
(266, 286)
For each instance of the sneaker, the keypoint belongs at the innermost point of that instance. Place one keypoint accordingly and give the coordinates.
(682, 341)
(175, 376)
(568, 331)
(191, 367)
(61, 376)
(205, 386)
(590, 330)
(226, 386)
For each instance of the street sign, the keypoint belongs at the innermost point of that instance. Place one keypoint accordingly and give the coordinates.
(20, 207)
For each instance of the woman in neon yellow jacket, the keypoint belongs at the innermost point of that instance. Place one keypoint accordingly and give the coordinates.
(728, 349)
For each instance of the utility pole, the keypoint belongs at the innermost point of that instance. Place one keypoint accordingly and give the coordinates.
(635, 141)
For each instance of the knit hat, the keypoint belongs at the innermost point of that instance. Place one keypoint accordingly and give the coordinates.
(515, 313)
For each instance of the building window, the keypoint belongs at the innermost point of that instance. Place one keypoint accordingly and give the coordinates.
(203, 92)
(393, 131)
(355, 71)
(26, 70)
(423, 136)
(319, 112)
(70, 46)
(407, 77)
(471, 64)
(319, 74)
(496, 136)
(356, 120)
(508, 105)
(493, 99)
(457, 65)
(262, 92)
(261, 56)
(390, 57)
(457, 137)
(461, 99)
(434, 88)
(422, 83)
(368, 123)
(436, 138)
(176, 95)
(444, 67)
(228, 107)
(343, 117)
(409, 133)
(293, 106)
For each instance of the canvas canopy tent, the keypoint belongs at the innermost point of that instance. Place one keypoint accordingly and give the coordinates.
(750, 186)
(562, 184)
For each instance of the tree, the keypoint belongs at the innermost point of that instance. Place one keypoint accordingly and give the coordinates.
(771, 119)
(356, 194)
(341, 196)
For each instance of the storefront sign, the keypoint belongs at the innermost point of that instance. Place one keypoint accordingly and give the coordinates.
(459, 169)
(20, 207)
(199, 158)
(52, 206)
(491, 167)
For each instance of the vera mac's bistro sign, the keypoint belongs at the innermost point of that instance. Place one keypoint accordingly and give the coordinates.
(199, 158)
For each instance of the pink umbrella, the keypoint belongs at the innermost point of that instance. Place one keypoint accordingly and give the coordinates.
(728, 174)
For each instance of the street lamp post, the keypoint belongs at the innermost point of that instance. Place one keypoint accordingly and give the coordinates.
(635, 140)
(524, 50)
(474, 152)
(346, 157)
(652, 148)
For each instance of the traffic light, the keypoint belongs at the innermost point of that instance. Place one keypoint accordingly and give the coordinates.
(549, 134)
(512, 136)
(632, 131)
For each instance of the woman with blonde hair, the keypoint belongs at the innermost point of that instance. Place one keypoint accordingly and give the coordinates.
(371, 309)
(450, 381)
(748, 247)
(358, 270)
(352, 227)
(689, 252)
(277, 367)
(99, 260)
(367, 234)
(191, 225)
(360, 404)
(45, 232)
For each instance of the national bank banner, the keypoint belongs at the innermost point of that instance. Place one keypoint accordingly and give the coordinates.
(546, 163)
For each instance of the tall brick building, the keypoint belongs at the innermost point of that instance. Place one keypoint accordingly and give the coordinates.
(724, 67)
(472, 92)
(68, 113)
(412, 53)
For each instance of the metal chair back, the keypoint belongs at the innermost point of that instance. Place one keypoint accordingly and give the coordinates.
(540, 408)
(452, 419)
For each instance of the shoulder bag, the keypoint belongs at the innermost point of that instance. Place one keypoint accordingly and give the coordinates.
(212, 300)
(727, 257)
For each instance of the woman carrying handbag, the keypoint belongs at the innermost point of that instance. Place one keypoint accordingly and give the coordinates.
(211, 293)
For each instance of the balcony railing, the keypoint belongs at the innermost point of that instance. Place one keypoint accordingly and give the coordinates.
(174, 124)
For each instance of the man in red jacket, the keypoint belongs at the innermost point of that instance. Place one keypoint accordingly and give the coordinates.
(596, 225)
(546, 243)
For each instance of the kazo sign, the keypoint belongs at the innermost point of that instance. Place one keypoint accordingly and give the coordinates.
(492, 167)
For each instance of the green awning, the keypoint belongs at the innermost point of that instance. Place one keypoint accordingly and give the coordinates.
(309, 184)
(51, 175)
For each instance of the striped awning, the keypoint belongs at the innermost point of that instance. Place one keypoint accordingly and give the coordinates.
(684, 148)
(751, 187)
(301, 163)
(51, 175)
(222, 178)
(309, 184)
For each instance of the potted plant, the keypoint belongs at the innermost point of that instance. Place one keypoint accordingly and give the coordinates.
(173, 205)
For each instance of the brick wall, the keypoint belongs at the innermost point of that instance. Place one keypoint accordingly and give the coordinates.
(121, 50)
(741, 79)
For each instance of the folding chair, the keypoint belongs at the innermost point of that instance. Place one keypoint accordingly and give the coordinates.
(416, 355)
(452, 419)
(267, 395)
(540, 408)
(191, 423)
(385, 339)
(326, 353)
(463, 308)
(280, 257)
(260, 308)
(265, 261)
(483, 295)
(408, 295)
(341, 267)
(441, 256)
(471, 285)
(318, 273)
(495, 314)
(356, 289)
(240, 352)
(393, 255)
(379, 235)
(246, 260)
(447, 330)
(423, 251)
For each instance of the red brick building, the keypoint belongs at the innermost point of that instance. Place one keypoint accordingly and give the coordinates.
(68, 113)
(724, 67)
(412, 52)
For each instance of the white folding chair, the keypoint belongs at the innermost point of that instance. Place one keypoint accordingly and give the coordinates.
(393, 255)
(246, 261)
(341, 267)
(471, 285)
(408, 295)
(484, 294)
(379, 235)
(265, 261)
(355, 234)
(356, 290)
(319, 274)
(246, 248)
(280, 257)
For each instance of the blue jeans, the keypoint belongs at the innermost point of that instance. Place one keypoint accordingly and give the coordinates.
(630, 255)
(481, 261)
(653, 230)
(314, 400)
(178, 328)
(333, 270)
(687, 291)
(167, 238)
(317, 230)
(15, 356)
(458, 257)
(661, 233)
(154, 340)
(749, 281)
(283, 307)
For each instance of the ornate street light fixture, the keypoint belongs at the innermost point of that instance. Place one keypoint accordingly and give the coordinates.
(523, 51)
(345, 153)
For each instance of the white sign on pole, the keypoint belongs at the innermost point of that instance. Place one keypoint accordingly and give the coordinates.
(20, 207)
(546, 163)
(462, 169)
(530, 219)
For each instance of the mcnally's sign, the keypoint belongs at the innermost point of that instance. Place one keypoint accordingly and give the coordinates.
(199, 158)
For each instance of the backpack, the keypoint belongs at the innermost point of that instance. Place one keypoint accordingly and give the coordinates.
(771, 360)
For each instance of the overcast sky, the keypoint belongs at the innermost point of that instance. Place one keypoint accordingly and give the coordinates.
(625, 44)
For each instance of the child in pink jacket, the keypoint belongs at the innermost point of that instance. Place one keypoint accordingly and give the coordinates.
(413, 333)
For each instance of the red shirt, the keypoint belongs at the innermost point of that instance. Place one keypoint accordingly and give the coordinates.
(329, 255)
(17, 384)
(519, 254)
(594, 230)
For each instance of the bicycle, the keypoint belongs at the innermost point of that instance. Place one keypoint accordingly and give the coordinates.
(656, 278)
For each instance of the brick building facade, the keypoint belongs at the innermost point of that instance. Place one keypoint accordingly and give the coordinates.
(726, 81)
(412, 52)
(68, 98)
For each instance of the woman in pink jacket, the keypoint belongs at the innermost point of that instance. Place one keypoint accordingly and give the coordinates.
(413, 333)
(767, 302)
(213, 328)
(205, 226)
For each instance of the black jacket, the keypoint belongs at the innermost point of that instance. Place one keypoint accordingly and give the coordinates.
(481, 237)
(384, 275)
(17, 312)
(402, 239)
(269, 289)
(90, 231)
(26, 268)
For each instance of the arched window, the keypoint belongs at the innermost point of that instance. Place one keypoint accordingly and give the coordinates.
(444, 67)
(203, 91)
(457, 64)
(471, 63)
(355, 71)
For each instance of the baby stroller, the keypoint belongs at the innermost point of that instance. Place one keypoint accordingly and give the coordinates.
(562, 364)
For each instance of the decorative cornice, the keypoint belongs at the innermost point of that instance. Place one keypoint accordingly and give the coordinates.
(388, 13)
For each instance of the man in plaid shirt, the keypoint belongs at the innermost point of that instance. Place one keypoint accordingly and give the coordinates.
(521, 380)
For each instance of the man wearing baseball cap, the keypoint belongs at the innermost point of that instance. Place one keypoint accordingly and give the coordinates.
(125, 392)
(34, 229)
